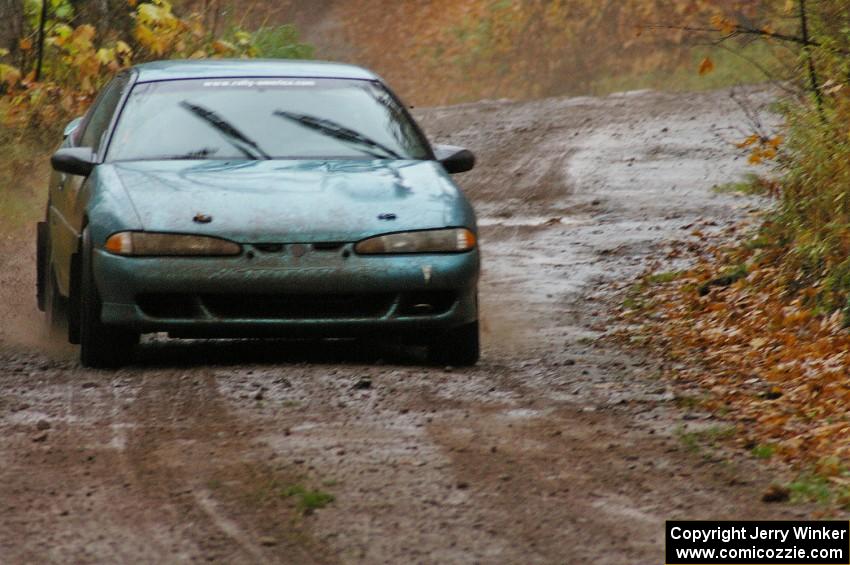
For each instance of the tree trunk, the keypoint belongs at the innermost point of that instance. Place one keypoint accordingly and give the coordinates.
(807, 53)
(40, 56)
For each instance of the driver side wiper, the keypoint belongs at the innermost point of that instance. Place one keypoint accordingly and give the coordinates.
(338, 131)
(231, 133)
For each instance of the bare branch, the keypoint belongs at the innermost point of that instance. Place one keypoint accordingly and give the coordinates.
(742, 30)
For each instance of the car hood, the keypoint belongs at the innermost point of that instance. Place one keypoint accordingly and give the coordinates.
(293, 200)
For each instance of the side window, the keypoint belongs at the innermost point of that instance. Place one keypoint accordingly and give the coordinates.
(101, 113)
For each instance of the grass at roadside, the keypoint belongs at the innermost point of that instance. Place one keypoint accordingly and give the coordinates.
(829, 491)
(752, 185)
(732, 68)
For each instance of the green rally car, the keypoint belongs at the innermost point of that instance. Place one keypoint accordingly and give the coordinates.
(221, 199)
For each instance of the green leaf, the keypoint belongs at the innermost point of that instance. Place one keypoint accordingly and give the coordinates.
(64, 12)
(62, 30)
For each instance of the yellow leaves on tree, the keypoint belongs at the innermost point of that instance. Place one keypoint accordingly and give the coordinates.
(78, 61)
(81, 55)
(9, 75)
(160, 32)
(157, 29)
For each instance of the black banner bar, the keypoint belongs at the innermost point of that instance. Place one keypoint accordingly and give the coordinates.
(758, 543)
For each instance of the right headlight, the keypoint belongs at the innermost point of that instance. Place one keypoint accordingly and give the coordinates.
(147, 244)
(452, 240)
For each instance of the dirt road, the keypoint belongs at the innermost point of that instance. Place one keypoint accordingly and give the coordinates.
(556, 448)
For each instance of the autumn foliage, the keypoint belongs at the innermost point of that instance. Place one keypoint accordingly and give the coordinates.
(79, 59)
(445, 51)
(765, 359)
(761, 322)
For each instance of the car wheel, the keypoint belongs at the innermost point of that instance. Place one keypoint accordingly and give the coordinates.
(458, 347)
(41, 259)
(101, 346)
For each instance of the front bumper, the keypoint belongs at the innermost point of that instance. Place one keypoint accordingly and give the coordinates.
(298, 290)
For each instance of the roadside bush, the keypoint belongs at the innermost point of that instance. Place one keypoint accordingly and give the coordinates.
(809, 230)
(805, 239)
(770, 346)
(281, 42)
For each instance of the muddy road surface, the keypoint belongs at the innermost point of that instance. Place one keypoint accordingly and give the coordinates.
(556, 448)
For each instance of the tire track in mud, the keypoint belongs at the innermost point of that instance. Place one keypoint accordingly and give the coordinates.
(139, 467)
(192, 458)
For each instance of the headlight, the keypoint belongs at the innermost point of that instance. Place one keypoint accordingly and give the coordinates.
(432, 241)
(141, 244)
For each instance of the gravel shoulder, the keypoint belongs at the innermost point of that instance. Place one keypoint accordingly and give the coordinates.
(558, 447)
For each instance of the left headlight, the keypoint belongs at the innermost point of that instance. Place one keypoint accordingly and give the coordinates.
(144, 244)
(453, 240)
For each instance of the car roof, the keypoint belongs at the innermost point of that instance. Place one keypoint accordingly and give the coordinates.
(238, 68)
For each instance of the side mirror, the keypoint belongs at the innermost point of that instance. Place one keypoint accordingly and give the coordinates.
(454, 159)
(73, 160)
(72, 127)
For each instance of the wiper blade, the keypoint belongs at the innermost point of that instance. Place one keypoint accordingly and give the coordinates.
(198, 154)
(228, 129)
(338, 131)
(201, 153)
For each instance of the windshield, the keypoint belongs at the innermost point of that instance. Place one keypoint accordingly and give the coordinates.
(264, 118)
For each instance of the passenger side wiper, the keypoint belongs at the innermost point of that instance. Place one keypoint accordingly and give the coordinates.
(338, 131)
(232, 134)
(197, 155)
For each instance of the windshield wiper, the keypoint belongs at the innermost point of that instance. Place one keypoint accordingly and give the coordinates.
(197, 155)
(201, 153)
(333, 129)
(232, 134)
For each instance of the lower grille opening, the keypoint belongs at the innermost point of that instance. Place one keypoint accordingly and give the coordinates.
(294, 306)
(298, 306)
(168, 305)
(426, 303)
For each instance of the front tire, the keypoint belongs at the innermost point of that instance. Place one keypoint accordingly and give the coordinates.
(459, 347)
(101, 346)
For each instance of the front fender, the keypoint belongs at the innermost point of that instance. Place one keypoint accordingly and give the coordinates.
(102, 203)
(108, 207)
